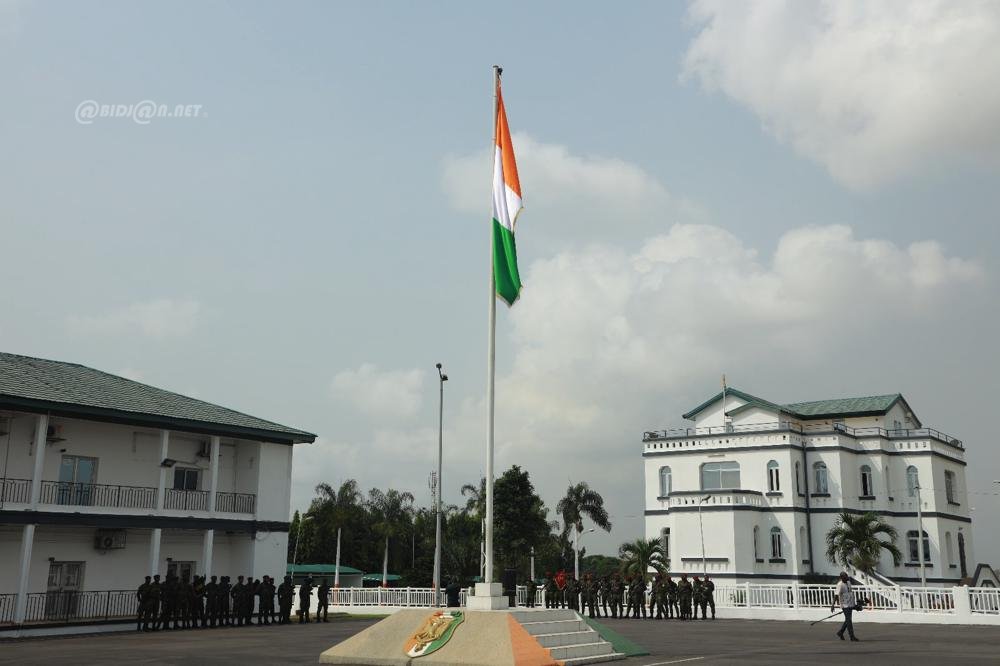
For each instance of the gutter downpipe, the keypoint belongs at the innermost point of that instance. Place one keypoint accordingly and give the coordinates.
(805, 486)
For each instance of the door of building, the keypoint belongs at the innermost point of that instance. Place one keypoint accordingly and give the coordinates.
(62, 597)
(183, 570)
(77, 475)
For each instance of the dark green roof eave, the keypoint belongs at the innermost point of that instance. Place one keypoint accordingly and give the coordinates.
(124, 417)
(729, 391)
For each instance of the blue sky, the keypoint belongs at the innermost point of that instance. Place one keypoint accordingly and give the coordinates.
(310, 245)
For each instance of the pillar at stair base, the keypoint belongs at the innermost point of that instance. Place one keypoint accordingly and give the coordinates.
(488, 596)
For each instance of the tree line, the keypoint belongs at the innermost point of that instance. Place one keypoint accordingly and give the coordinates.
(387, 529)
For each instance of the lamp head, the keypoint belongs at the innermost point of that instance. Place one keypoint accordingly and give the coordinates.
(438, 366)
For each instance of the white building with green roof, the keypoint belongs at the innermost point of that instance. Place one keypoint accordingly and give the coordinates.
(105, 480)
(764, 482)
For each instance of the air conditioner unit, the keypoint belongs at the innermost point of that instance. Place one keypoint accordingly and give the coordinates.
(205, 450)
(109, 539)
(54, 434)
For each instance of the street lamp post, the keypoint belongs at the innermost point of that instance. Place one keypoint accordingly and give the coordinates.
(298, 540)
(442, 378)
(576, 551)
(701, 527)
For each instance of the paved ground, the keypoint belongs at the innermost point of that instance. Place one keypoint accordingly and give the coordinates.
(700, 642)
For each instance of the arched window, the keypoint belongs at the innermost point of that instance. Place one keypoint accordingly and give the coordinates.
(948, 550)
(961, 554)
(664, 481)
(798, 478)
(773, 481)
(775, 543)
(912, 481)
(867, 490)
(756, 547)
(720, 476)
(822, 483)
(911, 539)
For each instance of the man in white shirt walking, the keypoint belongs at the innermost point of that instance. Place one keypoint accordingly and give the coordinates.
(845, 596)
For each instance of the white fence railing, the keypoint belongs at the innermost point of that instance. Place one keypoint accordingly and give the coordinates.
(940, 600)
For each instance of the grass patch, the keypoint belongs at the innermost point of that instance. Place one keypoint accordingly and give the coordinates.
(618, 642)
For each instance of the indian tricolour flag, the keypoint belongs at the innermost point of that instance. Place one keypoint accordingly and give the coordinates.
(506, 206)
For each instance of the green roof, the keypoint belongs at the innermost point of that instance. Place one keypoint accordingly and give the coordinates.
(731, 391)
(322, 569)
(872, 405)
(378, 577)
(70, 389)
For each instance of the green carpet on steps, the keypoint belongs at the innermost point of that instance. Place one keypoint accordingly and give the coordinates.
(619, 642)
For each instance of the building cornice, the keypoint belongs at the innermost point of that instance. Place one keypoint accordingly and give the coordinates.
(135, 522)
(801, 509)
(799, 447)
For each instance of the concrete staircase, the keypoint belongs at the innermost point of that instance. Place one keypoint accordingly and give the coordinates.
(566, 636)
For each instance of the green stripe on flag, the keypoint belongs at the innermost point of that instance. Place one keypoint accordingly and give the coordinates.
(505, 264)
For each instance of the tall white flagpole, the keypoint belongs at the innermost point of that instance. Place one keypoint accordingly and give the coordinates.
(491, 361)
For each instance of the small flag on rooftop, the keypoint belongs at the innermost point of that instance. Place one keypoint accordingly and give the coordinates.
(506, 207)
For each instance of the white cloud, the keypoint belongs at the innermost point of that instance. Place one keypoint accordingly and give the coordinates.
(380, 393)
(569, 196)
(157, 319)
(870, 90)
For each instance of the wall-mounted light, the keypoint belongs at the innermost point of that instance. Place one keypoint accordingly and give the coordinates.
(168, 462)
(52, 559)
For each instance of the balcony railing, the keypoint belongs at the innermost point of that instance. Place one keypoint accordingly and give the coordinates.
(67, 607)
(18, 491)
(96, 494)
(235, 502)
(186, 500)
(791, 426)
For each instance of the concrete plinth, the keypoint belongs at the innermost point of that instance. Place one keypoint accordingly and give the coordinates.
(487, 596)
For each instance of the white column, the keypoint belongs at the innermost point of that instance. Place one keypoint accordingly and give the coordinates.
(161, 489)
(206, 553)
(27, 541)
(214, 475)
(41, 434)
(154, 551)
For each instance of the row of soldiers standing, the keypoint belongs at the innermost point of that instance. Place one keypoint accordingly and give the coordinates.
(628, 597)
(219, 603)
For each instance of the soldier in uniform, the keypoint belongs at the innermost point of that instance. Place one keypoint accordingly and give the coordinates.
(654, 591)
(530, 587)
(684, 597)
(603, 591)
(640, 595)
(198, 603)
(225, 589)
(305, 592)
(698, 596)
(571, 593)
(153, 608)
(140, 595)
(265, 607)
(237, 593)
(590, 595)
(709, 595)
(168, 602)
(322, 600)
(549, 587)
(253, 587)
(212, 601)
(671, 590)
(183, 612)
(561, 589)
(286, 593)
(615, 591)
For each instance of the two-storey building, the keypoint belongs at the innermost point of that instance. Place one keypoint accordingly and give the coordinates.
(104, 480)
(761, 485)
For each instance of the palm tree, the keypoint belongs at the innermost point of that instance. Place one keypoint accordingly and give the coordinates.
(858, 541)
(641, 555)
(392, 511)
(476, 504)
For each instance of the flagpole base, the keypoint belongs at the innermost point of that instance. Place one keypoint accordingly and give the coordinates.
(487, 596)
